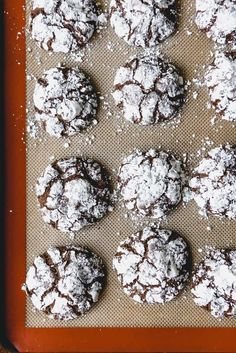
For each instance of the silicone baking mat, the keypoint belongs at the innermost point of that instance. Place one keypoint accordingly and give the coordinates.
(109, 142)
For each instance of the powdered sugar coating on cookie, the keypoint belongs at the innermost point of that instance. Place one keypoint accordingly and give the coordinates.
(63, 25)
(73, 193)
(143, 23)
(65, 101)
(214, 283)
(150, 183)
(149, 90)
(214, 183)
(221, 84)
(217, 19)
(153, 265)
(65, 282)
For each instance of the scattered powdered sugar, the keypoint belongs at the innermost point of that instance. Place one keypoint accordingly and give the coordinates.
(221, 83)
(214, 183)
(65, 101)
(149, 90)
(151, 182)
(143, 23)
(63, 25)
(73, 193)
(217, 19)
(67, 144)
(64, 282)
(214, 282)
(153, 265)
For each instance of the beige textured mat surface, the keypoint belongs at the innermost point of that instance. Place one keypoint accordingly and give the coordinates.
(111, 140)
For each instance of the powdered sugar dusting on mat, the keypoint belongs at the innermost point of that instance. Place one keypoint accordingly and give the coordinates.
(73, 193)
(143, 23)
(65, 101)
(150, 182)
(152, 265)
(64, 282)
(221, 83)
(217, 19)
(149, 90)
(214, 283)
(63, 25)
(214, 183)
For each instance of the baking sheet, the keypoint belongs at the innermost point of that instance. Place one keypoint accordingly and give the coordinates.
(109, 142)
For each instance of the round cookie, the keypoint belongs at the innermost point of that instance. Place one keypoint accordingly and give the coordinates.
(150, 183)
(65, 281)
(221, 84)
(143, 23)
(217, 19)
(149, 90)
(63, 25)
(153, 265)
(73, 193)
(65, 101)
(214, 183)
(214, 283)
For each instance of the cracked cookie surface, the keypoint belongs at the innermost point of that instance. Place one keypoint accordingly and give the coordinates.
(65, 101)
(217, 19)
(153, 265)
(63, 25)
(143, 23)
(148, 90)
(73, 193)
(65, 281)
(221, 84)
(150, 183)
(214, 283)
(214, 183)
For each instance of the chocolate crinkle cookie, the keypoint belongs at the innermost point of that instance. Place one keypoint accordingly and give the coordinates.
(73, 193)
(148, 90)
(217, 19)
(65, 281)
(213, 183)
(153, 265)
(214, 283)
(221, 84)
(143, 23)
(63, 25)
(65, 101)
(150, 183)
